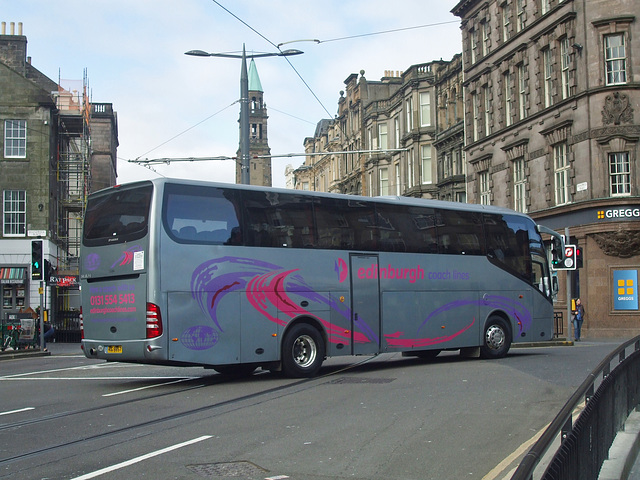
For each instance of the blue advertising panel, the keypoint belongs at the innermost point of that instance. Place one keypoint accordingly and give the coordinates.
(625, 290)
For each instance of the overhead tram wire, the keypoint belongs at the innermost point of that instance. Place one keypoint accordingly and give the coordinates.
(279, 49)
(185, 131)
(324, 41)
(148, 162)
(168, 160)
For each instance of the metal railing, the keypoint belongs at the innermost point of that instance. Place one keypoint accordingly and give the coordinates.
(67, 325)
(610, 394)
(558, 324)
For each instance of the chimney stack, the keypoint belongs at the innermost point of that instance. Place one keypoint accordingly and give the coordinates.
(13, 48)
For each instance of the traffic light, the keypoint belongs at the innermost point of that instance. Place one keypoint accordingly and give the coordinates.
(36, 259)
(566, 261)
(556, 253)
(47, 270)
(578, 256)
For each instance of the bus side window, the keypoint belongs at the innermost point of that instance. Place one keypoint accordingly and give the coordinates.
(406, 229)
(199, 214)
(461, 233)
(279, 220)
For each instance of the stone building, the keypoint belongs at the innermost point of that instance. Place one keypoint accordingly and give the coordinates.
(259, 151)
(551, 114)
(56, 147)
(383, 139)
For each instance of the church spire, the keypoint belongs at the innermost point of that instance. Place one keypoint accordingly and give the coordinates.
(254, 79)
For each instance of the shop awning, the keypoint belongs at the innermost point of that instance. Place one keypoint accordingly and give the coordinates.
(15, 275)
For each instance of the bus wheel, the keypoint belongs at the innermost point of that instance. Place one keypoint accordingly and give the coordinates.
(302, 351)
(497, 339)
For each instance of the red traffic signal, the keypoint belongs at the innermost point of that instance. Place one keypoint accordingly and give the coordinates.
(578, 257)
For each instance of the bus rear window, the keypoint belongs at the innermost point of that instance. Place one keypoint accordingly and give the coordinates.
(119, 215)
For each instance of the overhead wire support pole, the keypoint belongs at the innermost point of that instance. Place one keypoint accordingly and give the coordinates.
(245, 177)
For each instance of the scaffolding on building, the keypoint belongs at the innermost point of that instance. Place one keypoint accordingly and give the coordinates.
(72, 182)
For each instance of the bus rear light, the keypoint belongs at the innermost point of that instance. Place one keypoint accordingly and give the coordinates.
(154, 321)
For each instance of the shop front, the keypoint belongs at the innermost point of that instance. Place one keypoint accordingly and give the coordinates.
(13, 281)
(608, 234)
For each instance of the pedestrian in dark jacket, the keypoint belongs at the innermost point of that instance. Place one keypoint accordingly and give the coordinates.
(578, 318)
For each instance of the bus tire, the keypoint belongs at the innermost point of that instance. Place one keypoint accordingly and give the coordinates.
(302, 351)
(496, 339)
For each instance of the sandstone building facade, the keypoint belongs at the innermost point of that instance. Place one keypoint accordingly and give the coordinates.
(552, 123)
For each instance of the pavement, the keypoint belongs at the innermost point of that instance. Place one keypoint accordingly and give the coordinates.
(53, 348)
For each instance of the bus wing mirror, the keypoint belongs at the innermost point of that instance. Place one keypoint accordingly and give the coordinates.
(554, 285)
(557, 245)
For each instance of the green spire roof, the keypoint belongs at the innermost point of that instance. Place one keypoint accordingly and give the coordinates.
(254, 79)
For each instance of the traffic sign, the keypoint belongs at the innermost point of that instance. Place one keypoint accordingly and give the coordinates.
(569, 262)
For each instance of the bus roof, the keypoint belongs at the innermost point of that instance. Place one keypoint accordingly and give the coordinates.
(389, 199)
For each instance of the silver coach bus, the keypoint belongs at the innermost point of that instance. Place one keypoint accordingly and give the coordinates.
(234, 277)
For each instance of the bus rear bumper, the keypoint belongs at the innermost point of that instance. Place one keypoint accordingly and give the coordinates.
(129, 351)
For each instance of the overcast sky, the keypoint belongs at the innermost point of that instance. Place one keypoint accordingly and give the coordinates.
(173, 105)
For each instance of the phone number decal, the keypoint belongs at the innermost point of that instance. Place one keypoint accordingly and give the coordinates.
(115, 299)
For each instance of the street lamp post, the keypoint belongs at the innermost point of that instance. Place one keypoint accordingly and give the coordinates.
(244, 99)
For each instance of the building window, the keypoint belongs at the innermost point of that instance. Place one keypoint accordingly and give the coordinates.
(409, 111)
(425, 161)
(396, 126)
(459, 164)
(519, 185)
(487, 110)
(398, 182)
(447, 166)
(382, 136)
(15, 138)
(522, 92)
(410, 177)
(619, 174)
(521, 21)
(506, 18)
(485, 38)
(425, 109)
(545, 6)
(473, 35)
(561, 169)
(384, 181)
(476, 115)
(454, 103)
(615, 59)
(565, 55)
(508, 99)
(14, 213)
(548, 77)
(485, 193)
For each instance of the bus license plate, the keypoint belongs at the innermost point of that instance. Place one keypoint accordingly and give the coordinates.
(114, 349)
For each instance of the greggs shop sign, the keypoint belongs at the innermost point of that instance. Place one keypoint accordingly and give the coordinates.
(618, 213)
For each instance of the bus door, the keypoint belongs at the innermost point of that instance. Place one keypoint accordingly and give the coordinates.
(365, 304)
